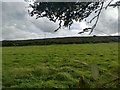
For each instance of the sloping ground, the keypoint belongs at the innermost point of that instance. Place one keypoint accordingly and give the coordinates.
(67, 40)
(59, 66)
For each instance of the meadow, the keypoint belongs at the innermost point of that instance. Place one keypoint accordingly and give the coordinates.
(59, 66)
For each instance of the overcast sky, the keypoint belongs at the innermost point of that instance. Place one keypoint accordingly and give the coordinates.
(17, 24)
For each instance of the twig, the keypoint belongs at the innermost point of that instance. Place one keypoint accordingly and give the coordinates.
(97, 19)
(108, 4)
(93, 18)
(84, 30)
(58, 27)
(116, 4)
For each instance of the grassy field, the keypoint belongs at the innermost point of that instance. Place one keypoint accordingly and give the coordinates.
(59, 66)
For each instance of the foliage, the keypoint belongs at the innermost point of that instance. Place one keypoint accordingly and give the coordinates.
(94, 70)
(67, 12)
(59, 66)
(64, 11)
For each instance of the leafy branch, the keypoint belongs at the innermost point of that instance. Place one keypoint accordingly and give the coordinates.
(68, 12)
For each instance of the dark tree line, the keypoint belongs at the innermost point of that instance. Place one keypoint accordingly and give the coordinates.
(67, 40)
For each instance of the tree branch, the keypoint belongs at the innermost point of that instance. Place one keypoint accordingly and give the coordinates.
(58, 27)
(108, 4)
(97, 19)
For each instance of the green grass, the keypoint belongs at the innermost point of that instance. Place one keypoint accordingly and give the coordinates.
(58, 66)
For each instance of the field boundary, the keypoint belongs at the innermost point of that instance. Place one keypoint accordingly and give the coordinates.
(65, 40)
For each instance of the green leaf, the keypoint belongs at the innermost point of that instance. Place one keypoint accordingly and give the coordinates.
(94, 71)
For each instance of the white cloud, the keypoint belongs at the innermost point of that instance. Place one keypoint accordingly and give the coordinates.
(107, 23)
(12, 32)
(44, 24)
(12, 0)
(0, 21)
(17, 24)
(116, 34)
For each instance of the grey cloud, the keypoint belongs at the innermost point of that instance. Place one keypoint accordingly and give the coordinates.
(45, 25)
(0, 20)
(13, 11)
(12, 32)
(107, 23)
(15, 15)
(17, 24)
(119, 19)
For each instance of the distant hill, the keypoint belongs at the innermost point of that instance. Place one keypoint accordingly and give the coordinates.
(65, 40)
